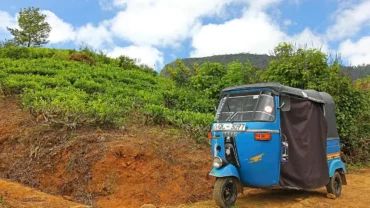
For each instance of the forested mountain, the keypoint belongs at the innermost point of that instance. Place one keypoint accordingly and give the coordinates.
(261, 61)
(357, 72)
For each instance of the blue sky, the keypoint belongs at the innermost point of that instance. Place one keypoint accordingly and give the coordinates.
(158, 31)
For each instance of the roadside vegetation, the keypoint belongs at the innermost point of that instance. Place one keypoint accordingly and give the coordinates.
(301, 68)
(72, 88)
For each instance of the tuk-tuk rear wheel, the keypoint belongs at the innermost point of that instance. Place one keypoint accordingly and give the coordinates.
(225, 192)
(335, 185)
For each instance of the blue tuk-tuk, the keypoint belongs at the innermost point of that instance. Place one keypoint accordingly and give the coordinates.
(267, 135)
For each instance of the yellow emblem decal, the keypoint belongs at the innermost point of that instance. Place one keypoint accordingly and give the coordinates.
(256, 158)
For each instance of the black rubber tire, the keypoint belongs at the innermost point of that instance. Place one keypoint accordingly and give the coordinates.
(225, 192)
(335, 185)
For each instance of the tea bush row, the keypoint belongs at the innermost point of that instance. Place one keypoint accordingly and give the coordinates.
(73, 94)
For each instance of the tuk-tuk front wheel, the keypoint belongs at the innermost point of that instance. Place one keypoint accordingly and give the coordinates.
(225, 192)
(335, 185)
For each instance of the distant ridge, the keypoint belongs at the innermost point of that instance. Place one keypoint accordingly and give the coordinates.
(259, 60)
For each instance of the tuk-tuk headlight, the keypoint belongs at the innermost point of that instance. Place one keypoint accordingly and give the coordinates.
(217, 162)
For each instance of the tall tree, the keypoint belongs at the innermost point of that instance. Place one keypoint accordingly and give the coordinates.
(33, 29)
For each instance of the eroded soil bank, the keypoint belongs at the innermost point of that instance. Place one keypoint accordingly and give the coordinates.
(127, 167)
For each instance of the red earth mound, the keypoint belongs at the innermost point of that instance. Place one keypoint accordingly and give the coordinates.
(127, 167)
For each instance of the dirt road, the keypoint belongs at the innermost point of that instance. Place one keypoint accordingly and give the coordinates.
(355, 194)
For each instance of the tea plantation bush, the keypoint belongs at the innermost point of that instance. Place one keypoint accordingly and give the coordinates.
(72, 94)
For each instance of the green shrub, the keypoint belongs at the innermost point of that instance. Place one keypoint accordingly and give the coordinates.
(62, 55)
(309, 69)
(88, 86)
(196, 124)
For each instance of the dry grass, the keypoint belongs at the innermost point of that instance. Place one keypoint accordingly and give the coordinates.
(2, 202)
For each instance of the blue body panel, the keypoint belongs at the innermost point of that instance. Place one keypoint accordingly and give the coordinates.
(264, 172)
(336, 164)
(228, 170)
(333, 146)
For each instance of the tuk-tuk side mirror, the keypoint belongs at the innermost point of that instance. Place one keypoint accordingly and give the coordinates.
(284, 103)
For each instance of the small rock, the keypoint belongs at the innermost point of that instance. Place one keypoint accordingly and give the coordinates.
(148, 206)
(298, 199)
(124, 164)
(69, 198)
(331, 196)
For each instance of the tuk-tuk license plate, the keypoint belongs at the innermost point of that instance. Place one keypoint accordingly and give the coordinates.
(231, 127)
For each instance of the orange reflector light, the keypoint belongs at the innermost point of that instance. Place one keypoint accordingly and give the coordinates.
(209, 135)
(262, 136)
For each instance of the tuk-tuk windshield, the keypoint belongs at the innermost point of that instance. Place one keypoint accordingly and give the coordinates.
(250, 106)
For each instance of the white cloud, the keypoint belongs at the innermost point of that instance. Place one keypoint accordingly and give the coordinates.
(350, 20)
(253, 33)
(7, 21)
(146, 54)
(356, 52)
(95, 37)
(162, 22)
(308, 39)
(60, 31)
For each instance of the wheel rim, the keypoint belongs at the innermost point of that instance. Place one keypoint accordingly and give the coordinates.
(337, 185)
(229, 192)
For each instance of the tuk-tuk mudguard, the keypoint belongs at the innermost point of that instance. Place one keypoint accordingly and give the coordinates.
(334, 165)
(228, 170)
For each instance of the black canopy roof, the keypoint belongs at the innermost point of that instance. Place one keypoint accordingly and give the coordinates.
(312, 95)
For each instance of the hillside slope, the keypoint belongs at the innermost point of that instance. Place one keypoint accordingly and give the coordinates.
(125, 167)
(72, 89)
